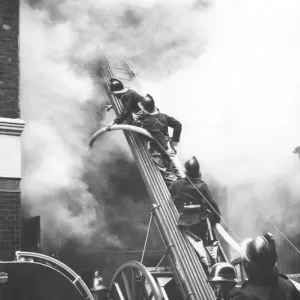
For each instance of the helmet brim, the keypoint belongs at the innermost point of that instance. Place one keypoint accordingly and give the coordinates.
(120, 92)
(146, 111)
(244, 245)
(221, 279)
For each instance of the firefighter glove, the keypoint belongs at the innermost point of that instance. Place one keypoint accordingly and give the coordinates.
(109, 125)
(213, 217)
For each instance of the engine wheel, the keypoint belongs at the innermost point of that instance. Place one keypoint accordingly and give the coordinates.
(132, 281)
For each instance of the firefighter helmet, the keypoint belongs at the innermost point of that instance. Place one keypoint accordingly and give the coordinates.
(222, 271)
(260, 252)
(116, 86)
(192, 167)
(148, 104)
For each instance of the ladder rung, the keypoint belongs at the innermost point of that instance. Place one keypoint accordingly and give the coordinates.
(116, 61)
(119, 68)
(124, 74)
(125, 79)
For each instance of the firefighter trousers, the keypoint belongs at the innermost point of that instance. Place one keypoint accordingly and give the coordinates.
(166, 166)
(209, 250)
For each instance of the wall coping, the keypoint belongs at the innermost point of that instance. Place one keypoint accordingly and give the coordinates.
(11, 126)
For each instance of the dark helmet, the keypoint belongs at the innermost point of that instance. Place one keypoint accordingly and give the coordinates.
(259, 253)
(192, 167)
(116, 86)
(222, 271)
(148, 104)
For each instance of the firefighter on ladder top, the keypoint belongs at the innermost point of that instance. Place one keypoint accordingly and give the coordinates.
(131, 112)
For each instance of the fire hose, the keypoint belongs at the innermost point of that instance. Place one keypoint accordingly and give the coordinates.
(134, 129)
(101, 131)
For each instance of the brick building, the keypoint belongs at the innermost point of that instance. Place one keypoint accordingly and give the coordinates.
(11, 128)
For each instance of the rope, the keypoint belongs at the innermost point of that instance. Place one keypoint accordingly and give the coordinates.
(276, 227)
(147, 236)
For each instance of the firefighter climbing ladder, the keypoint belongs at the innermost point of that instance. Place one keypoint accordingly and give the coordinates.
(133, 279)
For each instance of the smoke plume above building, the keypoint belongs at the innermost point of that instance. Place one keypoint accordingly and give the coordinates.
(87, 196)
(239, 105)
(228, 71)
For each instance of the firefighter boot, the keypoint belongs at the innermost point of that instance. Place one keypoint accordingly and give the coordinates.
(171, 170)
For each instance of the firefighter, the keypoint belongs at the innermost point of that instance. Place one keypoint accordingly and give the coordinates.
(198, 211)
(223, 278)
(162, 145)
(194, 201)
(131, 112)
(264, 282)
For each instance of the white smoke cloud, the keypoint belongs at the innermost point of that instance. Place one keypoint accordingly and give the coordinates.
(229, 73)
(57, 132)
(239, 106)
(61, 43)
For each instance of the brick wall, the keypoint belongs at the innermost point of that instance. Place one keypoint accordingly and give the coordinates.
(9, 59)
(9, 108)
(10, 240)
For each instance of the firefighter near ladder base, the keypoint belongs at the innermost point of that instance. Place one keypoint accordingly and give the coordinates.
(259, 259)
(130, 112)
(198, 211)
(162, 147)
(223, 278)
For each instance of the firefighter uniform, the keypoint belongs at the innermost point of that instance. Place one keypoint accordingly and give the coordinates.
(130, 101)
(157, 124)
(185, 191)
(281, 289)
(196, 207)
(131, 112)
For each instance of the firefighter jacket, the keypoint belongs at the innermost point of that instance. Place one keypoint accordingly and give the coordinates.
(157, 124)
(130, 101)
(186, 191)
(281, 289)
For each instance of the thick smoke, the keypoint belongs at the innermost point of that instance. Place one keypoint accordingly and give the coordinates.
(239, 105)
(91, 197)
(228, 71)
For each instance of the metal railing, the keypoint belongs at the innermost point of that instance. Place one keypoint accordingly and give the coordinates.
(75, 278)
